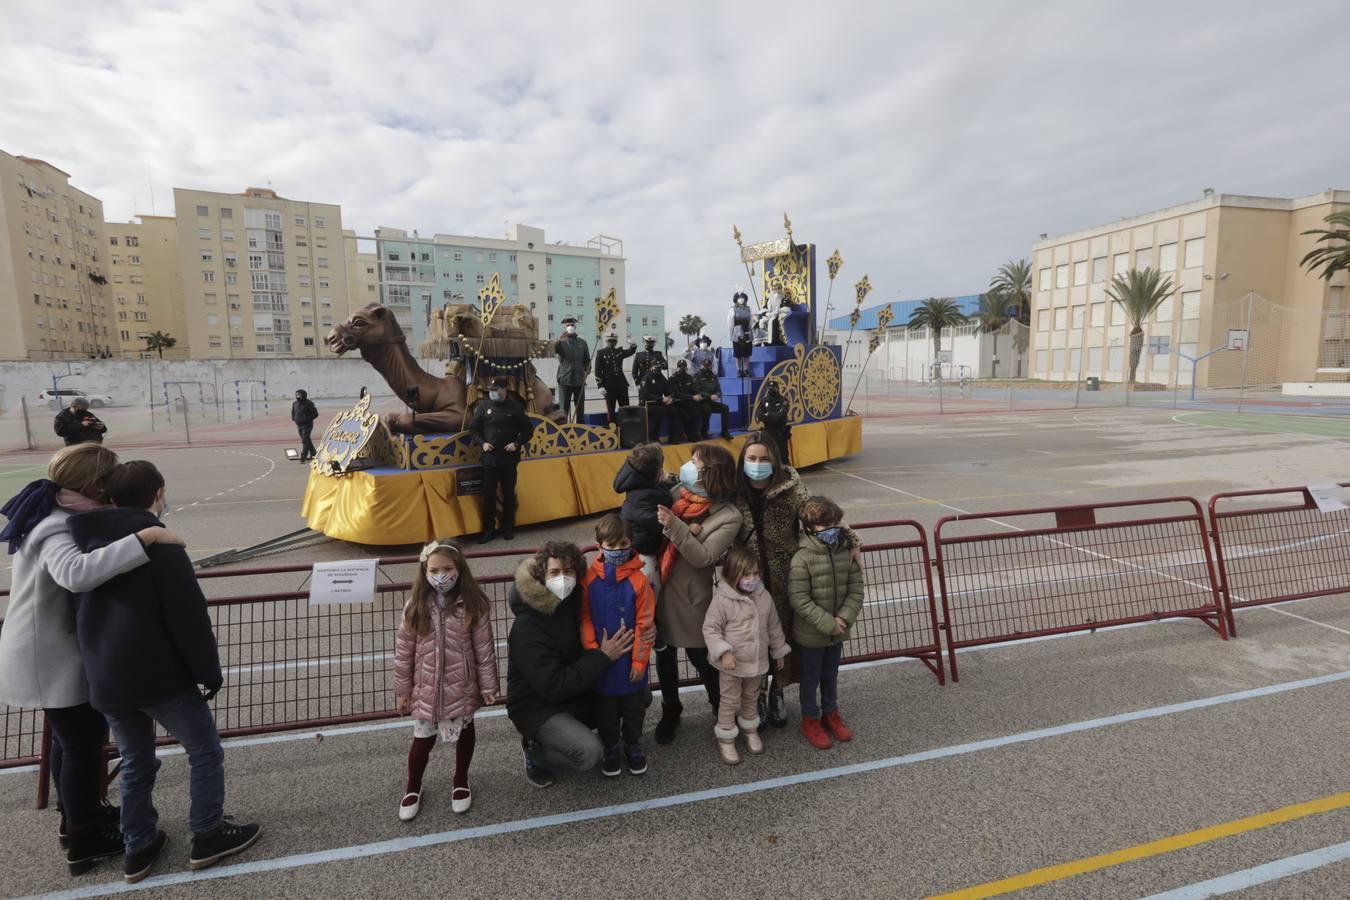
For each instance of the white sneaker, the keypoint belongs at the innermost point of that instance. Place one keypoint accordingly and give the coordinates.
(729, 754)
(753, 742)
(408, 811)
(460, 800)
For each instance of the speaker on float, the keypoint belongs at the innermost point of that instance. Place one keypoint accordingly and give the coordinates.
(632, 426)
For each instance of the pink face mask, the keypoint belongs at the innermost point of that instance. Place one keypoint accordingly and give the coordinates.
(749, 585)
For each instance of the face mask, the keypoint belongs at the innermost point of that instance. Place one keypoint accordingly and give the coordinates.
(497, 395)
(612, 342)
(443, 582)
(757, 471)
(164, 513)
(829, 535)
(561, 585)
(689, 476)
(571, 329)
(617, 557)
(749, 585)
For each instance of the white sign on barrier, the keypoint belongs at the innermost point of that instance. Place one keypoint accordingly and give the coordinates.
(348, 581)
(1328, 497)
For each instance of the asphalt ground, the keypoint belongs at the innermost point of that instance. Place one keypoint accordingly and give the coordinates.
(923, 810)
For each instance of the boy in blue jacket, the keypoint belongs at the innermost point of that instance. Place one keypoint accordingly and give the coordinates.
(618, 595)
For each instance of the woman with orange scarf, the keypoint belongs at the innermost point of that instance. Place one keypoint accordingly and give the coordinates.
(697, 529)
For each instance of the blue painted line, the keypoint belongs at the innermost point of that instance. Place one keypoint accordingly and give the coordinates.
(1271, 871)
(460, 835)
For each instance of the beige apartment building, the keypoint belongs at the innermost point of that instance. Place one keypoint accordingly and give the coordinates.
(262, 275)
(54, 285)
(363, 267)
(1234, 263)
(147, 287)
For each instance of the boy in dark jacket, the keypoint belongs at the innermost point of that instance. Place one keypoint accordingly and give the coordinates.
(303, 414)
(618, 596)
(146, 643)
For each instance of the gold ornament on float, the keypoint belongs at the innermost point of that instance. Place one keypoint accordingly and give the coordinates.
(834, 263)
(809, 382)
(355, 439)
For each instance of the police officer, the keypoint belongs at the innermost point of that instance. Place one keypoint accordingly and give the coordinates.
(504, 430)
(657, 396)
(642, 363)
(772, 413)
(609, 373)
(574, 365)
(682, 384)
(708, 400)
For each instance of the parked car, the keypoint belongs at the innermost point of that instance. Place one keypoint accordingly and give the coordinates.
(61, 397)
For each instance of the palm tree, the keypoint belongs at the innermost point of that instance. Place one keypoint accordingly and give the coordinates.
(992, 317)
(1139, 292)
(935, 314)
(691, 325)
(1012, 282)
(159, 341)
(1334, 255)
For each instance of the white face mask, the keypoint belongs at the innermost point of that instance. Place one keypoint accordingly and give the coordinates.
(561, 585)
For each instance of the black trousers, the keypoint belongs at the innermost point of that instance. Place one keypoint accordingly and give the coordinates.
(568, 393)
(615, 396)
(668, 671)
(617, 717)
(706, 409)
(82, 731)
(676, 426)
(503, 476)
(782, 436)
(307, 450)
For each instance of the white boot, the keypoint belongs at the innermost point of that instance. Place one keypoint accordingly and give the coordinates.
(726, 744)
(750, 729)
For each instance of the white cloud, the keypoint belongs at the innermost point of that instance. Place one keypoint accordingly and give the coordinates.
(928, 145)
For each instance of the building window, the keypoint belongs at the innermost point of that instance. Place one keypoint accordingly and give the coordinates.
(459, 256)
(392, 255)
(1195, 253)
(1167, 257)
(1164, 313)
(236, 341)
(209, 277)
(478, 256)
(1190, 305)
(1061, 318)
(1057, 360)
(209, 298)
(1080, 273)
(531, 285)
(492, 257)
(513, 277)
(1098, 315)
(531, 267)
(326, 302)
(300, 220)
(121, 315)
(213, 320)
(207, 256)
(226, 212)
(231, 277)
(1061, 276)
(1099, 270)
(112, 240)
(320, 222)
(1076, 323)
(323, 262)
(309, 342)
(323, 282)
(203, 211)
(480, 278)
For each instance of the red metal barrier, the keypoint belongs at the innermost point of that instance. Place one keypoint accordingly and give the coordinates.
(1275, 545)
(1011, 575)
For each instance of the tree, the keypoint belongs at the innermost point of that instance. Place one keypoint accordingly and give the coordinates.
(1334, 254)
(935, 314)
(1012, 282)
(160, 342)
(1139, 292)
(691, 325)
(992, 317)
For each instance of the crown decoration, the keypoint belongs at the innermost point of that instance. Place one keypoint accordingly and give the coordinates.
(863, 288)
(490, 299)
(835, 263)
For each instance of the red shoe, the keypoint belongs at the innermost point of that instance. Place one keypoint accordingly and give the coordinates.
(815, 735)
(835, 726)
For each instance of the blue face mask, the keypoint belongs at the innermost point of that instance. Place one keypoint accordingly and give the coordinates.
(497, 395)
(829, 535)
(689, 475)
(757, 471)
(617, 557)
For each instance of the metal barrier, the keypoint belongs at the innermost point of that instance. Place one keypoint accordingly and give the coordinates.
(1272, 554)
(1060, 570)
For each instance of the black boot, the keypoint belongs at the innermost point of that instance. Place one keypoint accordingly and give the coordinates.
(487, 536)
(87, 849)
(670, 721)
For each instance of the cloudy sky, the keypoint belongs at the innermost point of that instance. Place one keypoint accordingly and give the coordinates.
(928, 144)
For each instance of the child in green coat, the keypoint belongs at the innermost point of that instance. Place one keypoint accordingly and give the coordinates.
(826, 587)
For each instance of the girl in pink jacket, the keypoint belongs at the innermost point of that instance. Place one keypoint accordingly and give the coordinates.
(445, 667)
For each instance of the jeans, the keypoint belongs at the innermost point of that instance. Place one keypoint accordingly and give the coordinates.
(820, 669)
(621, 716)
(188, 719)
(307, 450)
(570, 392)
(80, 732)
(668, 671)
(565, 743)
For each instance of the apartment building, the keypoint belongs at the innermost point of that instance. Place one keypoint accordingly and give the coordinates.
(54, 284)
(263, 275)
(147, 287)
(649, 318)
(1238, 282)
(363, 266)
(418, 274)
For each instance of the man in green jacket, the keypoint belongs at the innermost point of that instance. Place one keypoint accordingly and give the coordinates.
(574, 366)
(708, 400)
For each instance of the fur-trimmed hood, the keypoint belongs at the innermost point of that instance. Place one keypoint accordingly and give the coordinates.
(532, 594)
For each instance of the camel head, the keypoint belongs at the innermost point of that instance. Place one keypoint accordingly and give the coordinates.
(370, 325)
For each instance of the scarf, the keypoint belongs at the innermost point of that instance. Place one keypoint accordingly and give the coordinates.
(689, 508)
(75, 502)
(26, 509)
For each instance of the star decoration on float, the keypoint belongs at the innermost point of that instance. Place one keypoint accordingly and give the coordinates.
(835, 263)
(863, 288)
(490, 299)
(885, 316)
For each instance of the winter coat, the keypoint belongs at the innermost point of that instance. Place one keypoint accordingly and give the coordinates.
(79, 428)
(303, 412)
(706, 383)
(39, 653)
(687, 591)
(825, 582)
(548, 670)
(145, 636)
(574, 361)
(609, 367)
(747, 626)
(642, 495)
(697, 356)
(773, 412)
(772, 528)
(682, 384)
(655, 387)
(501, 422)
(616, 597)
(447, 670)
(642, 361)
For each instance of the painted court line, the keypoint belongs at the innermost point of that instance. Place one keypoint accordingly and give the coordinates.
(1271, 871)
(1152, 848)
(399, 845)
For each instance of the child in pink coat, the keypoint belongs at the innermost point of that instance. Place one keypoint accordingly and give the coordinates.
(445, 668)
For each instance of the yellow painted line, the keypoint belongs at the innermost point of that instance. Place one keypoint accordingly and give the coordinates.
(1152, 848)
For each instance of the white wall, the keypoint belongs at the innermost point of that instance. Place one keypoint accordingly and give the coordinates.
(907, 354)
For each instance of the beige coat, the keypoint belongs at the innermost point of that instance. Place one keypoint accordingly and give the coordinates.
(685, 595)
(745, 625)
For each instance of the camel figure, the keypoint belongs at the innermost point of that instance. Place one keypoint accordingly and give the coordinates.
(442, 405)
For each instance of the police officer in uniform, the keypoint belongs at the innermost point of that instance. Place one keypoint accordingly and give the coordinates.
(504, 430)
(658, 397)
(642, 363)
(708, 400)
(772, 413)
(682, 384)
(609, 372)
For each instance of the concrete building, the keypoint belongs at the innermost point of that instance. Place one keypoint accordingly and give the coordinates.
(363, 279)
(147, 287)
(263, 276)
(649, 318)
(1234, 261)
(417, 275)
(54, 275)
